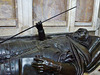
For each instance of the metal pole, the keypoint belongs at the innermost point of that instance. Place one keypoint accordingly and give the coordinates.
(35, 25)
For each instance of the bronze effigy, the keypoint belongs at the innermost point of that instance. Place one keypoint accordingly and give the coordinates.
(67, 54)
(63, 54)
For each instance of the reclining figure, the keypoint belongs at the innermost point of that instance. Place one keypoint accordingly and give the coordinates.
(69, 54)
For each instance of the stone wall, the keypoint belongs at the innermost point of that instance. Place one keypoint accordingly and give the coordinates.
(99, 11)
(99, 22)
(99, 31)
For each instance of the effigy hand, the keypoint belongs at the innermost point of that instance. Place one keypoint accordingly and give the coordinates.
(46, 65)
(39, 26)
(41, 32)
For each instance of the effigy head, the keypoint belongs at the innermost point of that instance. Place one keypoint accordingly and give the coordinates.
(81, 34)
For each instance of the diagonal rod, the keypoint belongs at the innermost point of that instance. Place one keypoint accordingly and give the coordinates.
(59, 14)
(16, 34)
(35, 25)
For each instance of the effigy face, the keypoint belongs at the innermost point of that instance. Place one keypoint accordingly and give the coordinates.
(67, 54)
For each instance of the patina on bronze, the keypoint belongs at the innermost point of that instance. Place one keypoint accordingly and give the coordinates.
(65, 54)
(75, 53)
